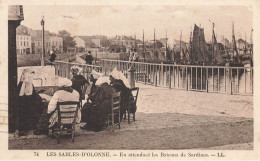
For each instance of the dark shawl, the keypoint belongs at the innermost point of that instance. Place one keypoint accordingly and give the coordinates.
(98, 110)
(29, 110)
(77, 82)
(125, 94)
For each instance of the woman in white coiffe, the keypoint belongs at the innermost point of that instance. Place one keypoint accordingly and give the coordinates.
(65, 93)
(29, 103)
(50, 116)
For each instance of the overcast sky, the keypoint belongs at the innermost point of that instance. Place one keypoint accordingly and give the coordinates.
(131, 20)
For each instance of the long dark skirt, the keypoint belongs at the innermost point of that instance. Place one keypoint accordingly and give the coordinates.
(94, 115)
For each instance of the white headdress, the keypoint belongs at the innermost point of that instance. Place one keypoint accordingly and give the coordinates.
(96, 74)
(75, 67)
(27, 86)
(119, 75)
(64, 82)
(102, 80)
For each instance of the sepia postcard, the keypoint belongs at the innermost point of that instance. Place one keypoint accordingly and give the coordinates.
(129, 80)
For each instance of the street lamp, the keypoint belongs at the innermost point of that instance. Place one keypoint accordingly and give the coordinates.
(43, 49)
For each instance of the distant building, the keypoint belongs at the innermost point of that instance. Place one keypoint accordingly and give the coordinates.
(242, 46)
(128, 42)
(23, 41)
(117, 48)
(52, 42)
(177, 45)
(88, 43)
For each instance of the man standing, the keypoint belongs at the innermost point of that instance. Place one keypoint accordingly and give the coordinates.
(53, 56)
(89, 58)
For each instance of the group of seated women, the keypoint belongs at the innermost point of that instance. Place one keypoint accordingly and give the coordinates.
(97, 104)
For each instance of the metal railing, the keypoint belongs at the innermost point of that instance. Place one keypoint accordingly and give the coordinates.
(62, 69)
(220, 79)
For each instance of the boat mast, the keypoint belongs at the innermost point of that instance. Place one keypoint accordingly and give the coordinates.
(154, 42)
(180, 47)
(135, 44)
(143, 45)
(234, 43)
(251, 45)
(245, 50)
(166, 45)
(190, 45)
(212, 43)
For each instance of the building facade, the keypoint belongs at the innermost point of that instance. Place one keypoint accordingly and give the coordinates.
(128, 42)
(23, 44)
(23, 40)
(52, 42)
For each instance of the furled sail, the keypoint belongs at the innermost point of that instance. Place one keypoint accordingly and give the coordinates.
(199, 54)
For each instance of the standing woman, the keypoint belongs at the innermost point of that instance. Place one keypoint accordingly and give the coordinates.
(29, 102)
(79, 81)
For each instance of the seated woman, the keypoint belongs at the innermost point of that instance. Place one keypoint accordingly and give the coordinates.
(93, 78)
(78, 81)
(99, 105)
(50, 114)
(29, 103)
(121, 84)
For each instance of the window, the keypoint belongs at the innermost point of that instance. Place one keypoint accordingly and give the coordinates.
(24, 43)
(21, 43)
(27, 43)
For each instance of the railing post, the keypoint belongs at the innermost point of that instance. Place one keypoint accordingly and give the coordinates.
(191, 78)
(231, 81)
(218, 81)
(178, 76)
(225, 79)
(161, 75)
(170, 81)
(237, 81)
(131, 76)
(245, 78)
(201, 78)
(156, 77)
(187, 82)
(231, 86)
(207, 81)
(213, 79)
(196, 78)
(252, 80)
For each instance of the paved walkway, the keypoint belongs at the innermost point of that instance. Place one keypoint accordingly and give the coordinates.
(168, 119)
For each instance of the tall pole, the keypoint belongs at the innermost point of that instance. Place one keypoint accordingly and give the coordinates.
(245, 44)
(213, 41)
(43, 49)
(180, 47)
(135, 44)
(251, 45)
(143, 45)
(154, 41)
(166, 45)
(191, 44)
